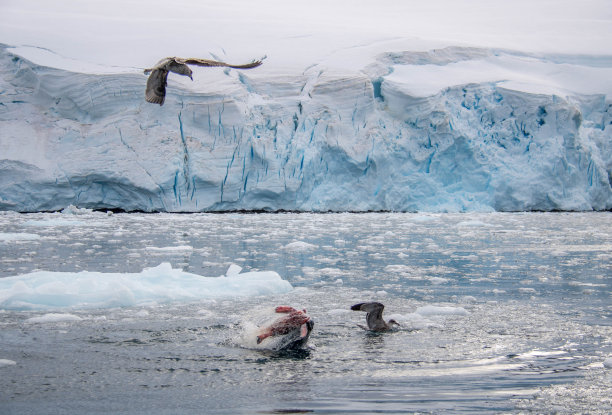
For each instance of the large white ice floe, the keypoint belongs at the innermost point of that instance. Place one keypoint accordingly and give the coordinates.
(45, 290)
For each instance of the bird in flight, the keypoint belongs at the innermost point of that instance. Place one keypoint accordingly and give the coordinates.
(158, 78)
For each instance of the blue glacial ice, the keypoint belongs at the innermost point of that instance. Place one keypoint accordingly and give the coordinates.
(455, 129)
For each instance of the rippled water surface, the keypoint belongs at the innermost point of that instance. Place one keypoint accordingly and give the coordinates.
(500, 313)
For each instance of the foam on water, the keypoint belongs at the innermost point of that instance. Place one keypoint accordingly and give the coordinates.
(42, 290)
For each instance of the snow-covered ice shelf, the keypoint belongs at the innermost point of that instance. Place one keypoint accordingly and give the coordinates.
(411, 112)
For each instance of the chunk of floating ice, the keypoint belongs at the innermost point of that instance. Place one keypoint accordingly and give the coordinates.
(53, 222)
(608, 363)
(433, 310)
(233, 270)
(73, 210)
(44, 290)
(54, 318)
(300, 246)
(472, 223)
(7, 362)
(6, 237)
(170, 248)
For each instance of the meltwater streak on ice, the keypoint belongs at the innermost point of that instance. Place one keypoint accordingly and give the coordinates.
(45, 290)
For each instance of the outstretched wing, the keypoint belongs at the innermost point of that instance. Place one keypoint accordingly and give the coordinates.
(209, 62)
(374, 316)
(156, 86)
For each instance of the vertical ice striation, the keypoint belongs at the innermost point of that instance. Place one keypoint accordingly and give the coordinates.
(374, 140)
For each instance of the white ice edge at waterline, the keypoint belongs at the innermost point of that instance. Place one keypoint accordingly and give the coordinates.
(46, 290)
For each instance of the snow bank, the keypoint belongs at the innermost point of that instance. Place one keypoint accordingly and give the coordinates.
(44, 290)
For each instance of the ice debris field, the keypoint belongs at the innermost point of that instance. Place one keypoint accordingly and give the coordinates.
(499, 312)
(359, 106)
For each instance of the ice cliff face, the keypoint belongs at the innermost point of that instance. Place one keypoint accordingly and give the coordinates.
(321, 140)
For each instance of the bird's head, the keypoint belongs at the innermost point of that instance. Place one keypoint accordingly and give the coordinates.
(392, 323)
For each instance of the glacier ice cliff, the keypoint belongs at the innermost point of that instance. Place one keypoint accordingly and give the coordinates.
(321, 140)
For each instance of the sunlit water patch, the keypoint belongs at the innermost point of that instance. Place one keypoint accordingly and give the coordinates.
(498, 313)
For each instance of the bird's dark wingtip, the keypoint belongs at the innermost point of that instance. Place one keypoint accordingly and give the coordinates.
(357, 307)
(155, 100)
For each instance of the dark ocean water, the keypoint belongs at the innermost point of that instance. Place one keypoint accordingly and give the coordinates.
(500, 313)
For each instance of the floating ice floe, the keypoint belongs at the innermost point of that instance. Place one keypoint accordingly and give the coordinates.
(46, 290)
(8, 237)
(300, 246)
(433, 310)
(169, 248)
(73, 210)
(54, 318)
(427, 316)
(7, 362)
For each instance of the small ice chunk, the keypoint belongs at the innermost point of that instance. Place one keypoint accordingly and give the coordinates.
(7, 362)
(300, 246)
(170, 248)
(73, 210)
(608, 363)
(6, 237)
(433, 310)
(381, 293)
(472, 223)
(54, 318)
(233, 270)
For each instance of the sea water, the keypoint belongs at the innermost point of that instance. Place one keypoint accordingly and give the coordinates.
(499, 312)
